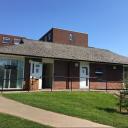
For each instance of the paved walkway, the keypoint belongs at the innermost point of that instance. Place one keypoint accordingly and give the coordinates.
(42, 116)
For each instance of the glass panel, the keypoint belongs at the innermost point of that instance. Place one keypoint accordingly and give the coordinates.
(13, 79)
(1, 76)
(20, 74)
(6, 77)
(11, 73)
(6, 40)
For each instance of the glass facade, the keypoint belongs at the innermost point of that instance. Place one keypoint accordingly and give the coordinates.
(11, 73)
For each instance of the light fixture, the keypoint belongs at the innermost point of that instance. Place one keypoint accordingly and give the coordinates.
(76, 64)
(114, 67)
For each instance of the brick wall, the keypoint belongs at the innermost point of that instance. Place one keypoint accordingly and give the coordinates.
(66, 37)
(109, 85)
(34, 84)
(64, 71)
(11, 37)
(65, 85)
(113, 74)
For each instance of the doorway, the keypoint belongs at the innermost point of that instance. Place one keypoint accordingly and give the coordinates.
(84, 75)
(36, 74)
(47, 75)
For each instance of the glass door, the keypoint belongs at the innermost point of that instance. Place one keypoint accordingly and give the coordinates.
(10, 77)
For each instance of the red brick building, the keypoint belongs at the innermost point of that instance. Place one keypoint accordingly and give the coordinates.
(9, 40)
(61, 59)
(56, 35)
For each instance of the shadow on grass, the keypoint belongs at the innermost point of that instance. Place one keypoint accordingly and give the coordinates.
(112, 110)
(109, 110)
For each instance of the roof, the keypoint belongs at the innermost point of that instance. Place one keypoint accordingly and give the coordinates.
(63, 51)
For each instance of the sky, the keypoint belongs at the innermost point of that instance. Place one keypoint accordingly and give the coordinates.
(105, 21)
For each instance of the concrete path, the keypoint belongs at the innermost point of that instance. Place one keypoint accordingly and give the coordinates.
(44, 117)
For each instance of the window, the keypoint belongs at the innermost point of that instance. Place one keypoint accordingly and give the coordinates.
(99, 71)
(37, 70)
(70, 37)
(45, 38)
(37, 65)
(17, 41)
(125, 73)
(49, 36)
(32, 68)
(85, 70)
(6, 39)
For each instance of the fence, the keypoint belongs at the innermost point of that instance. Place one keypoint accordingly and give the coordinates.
(93, 83)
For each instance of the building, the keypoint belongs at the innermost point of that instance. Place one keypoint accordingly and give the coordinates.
(61, 59)
(9, 40)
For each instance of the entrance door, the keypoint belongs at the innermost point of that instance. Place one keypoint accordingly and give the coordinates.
(36, 72)
(10, 76)
(84, 75)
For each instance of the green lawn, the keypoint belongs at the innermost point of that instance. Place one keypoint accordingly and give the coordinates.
(8, 121)
(98, 107)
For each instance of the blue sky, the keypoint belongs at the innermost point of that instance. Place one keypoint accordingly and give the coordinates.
(105, 21)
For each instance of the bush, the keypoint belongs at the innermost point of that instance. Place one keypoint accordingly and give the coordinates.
(125, 104)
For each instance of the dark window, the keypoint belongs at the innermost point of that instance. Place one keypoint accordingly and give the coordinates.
(85, 69)
(6, 39)
(99, 71)
(17, 41)
(125, 73)
(32, 68)
(37, 65)
(37, 70)
(49, 37)
(45, 38)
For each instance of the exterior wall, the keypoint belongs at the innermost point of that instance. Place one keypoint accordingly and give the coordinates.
(64, 76)
(27, 74)
(63, 36)
(111, 78)
(106, 85)
(64, 71)
(11, 42)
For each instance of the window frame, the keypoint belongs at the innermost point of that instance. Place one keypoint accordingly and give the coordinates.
(6, 40)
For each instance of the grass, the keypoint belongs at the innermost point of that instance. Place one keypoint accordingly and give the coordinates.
(98, 107)
(8, 121)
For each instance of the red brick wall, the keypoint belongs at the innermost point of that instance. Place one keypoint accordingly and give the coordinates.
(64, 72)
(10, 36)
(62, 36)
(64, 85)
(97, 85)
(34, 84)
(104, 85)
(113, 76)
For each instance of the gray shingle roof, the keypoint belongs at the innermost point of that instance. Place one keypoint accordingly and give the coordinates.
(63, 51)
